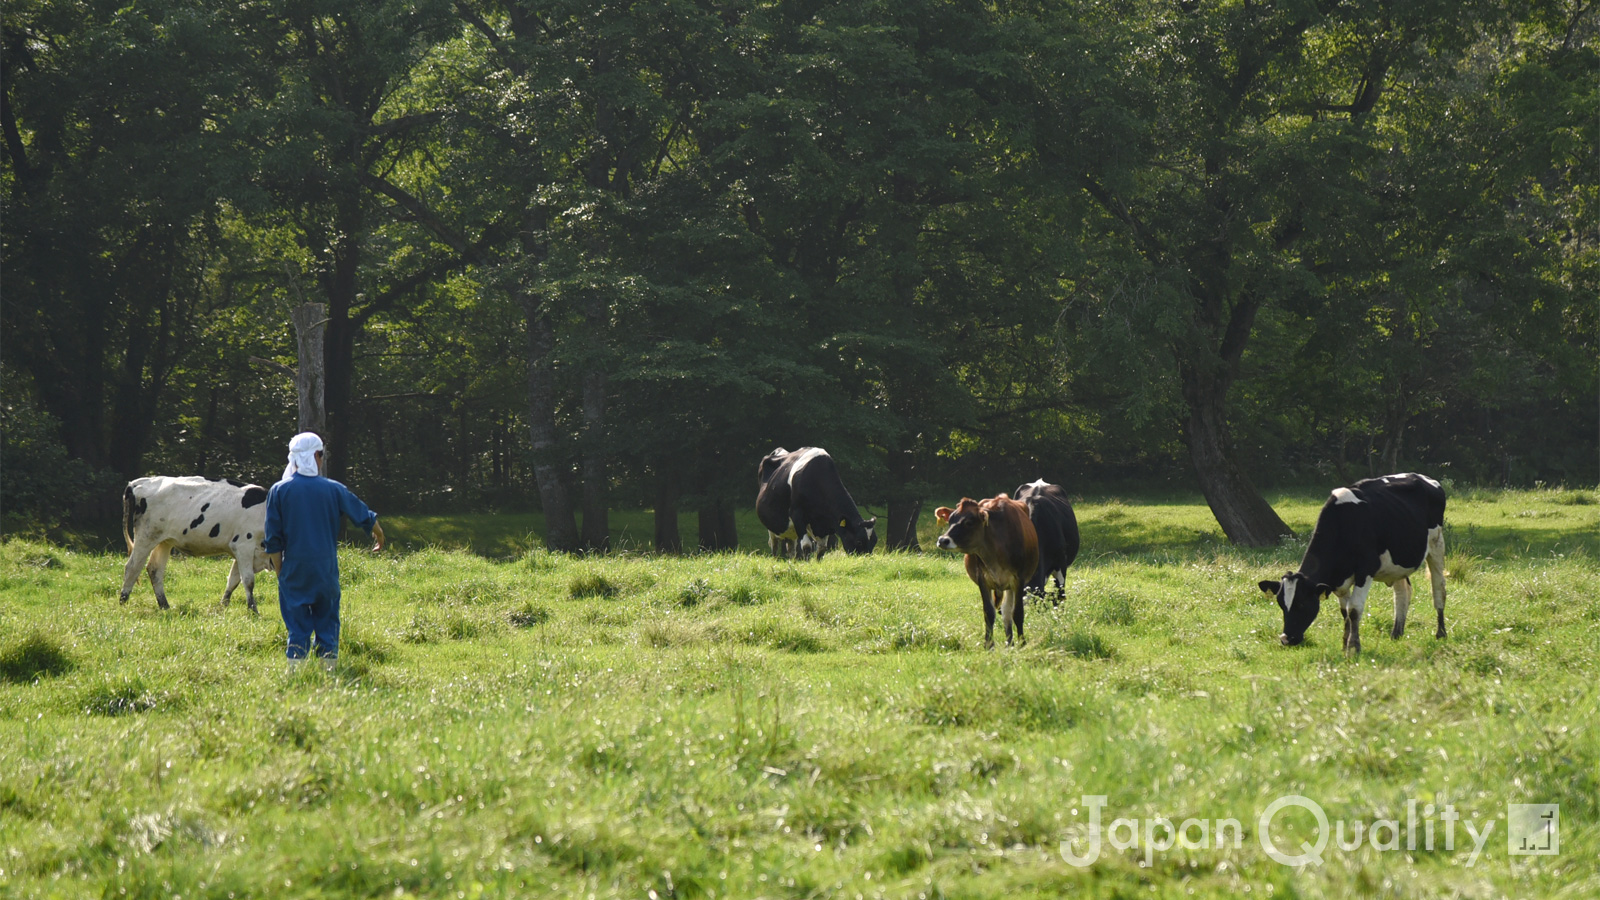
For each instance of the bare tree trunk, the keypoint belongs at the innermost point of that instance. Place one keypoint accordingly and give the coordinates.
(560, 527)
(902, 516)
(903, 511)
(718, 529)
(1245, 516)
(667, 538)
(310, 327)
(596, 519)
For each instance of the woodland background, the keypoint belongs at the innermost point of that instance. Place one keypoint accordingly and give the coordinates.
(579, 257)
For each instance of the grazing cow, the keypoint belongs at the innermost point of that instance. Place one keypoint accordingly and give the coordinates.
(1051, 514)
(1002, 555)
(201, 517)
(1378, 529)
(802, 500)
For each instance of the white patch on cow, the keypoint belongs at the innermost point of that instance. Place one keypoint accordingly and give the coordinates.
(1388, 571)
(1289, 585)
(1041, 483)
(1356, 602)
(1343, 588)
(800, 460)
(1344, 495)
(1427, 479)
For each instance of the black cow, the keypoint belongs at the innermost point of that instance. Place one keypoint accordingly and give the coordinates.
(802, 500)
(1379, 529)
(1057, 527)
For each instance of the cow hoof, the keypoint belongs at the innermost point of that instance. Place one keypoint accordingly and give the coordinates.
(1440, 633)
(162, 602)
(988, 645)
(253, 610)
(124, 599)
(1398, 633)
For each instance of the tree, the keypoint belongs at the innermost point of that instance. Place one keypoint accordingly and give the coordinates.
(111, 173)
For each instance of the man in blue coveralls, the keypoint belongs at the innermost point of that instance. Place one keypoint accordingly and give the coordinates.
(303, 513)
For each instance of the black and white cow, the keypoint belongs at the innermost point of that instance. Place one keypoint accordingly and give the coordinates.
(1378, 529)
(201, 517)
(802, 500)
(1050, 510)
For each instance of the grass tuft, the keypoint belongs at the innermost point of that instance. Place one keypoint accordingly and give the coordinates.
(591, 584)
(529, 614)
(35, 656)
(120, 698)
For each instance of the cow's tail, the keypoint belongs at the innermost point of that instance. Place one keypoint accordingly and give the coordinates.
(127, 516)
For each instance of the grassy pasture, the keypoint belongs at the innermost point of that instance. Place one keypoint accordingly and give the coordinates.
(508, 721)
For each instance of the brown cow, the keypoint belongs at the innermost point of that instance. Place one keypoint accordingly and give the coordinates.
(1002, 554)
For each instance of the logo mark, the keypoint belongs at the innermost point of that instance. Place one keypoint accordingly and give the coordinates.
(1533, 829)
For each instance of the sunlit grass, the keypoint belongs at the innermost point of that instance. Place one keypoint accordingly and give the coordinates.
(510, 721)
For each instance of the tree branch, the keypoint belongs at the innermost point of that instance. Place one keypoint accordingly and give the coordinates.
(277, 366)
(417, 208)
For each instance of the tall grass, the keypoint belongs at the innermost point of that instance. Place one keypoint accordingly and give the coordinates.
(735, 726)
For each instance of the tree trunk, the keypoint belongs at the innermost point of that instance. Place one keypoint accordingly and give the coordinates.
(667, 538)
(901, 527)
(1245, 516)
(596, 517)
(310, 327)
(902, 533)
(340, 348)
(717, 526)
(560, 526)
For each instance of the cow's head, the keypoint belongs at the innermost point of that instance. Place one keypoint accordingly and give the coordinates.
(963, 525)
(1300, 599)
(861, 539)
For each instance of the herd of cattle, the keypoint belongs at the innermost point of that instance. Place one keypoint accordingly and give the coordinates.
(1379, 529)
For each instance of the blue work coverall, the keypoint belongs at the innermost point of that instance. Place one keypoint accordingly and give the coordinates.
(303, 524)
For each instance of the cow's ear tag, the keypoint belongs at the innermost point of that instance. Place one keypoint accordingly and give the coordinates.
(844, 523)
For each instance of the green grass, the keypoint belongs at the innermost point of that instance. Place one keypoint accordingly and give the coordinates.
(507, 721)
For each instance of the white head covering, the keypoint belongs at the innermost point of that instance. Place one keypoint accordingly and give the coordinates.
(303, 455)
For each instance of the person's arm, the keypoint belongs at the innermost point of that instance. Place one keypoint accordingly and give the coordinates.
(272, 538)
(364, 518)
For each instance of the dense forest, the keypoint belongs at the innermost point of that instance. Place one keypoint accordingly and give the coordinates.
(582, 256)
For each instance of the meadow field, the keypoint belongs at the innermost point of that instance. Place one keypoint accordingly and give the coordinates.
(506, 721)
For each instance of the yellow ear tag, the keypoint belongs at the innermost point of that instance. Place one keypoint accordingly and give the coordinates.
(844, 523)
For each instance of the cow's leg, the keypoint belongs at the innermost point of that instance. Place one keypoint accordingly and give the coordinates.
(1402, 603)
(157, 567)
(248, 576)
(233, 582)
(130, 570)
(1060, 578)
(1357, 605)
(1436, 573)
(1008, 610)
(988, 618)
(1022, 606)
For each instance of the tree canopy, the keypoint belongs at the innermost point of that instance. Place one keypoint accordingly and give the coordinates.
(585, 255)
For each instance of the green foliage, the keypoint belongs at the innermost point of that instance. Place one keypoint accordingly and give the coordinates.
(955, 243)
